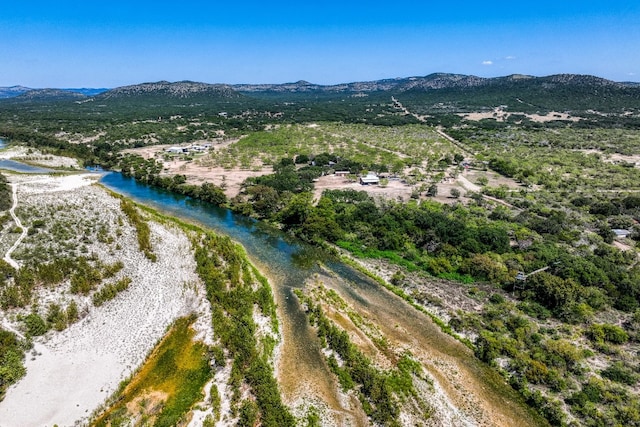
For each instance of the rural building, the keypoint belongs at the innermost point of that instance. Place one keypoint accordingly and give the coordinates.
(175, 150)
(370, 179)
(191, 148)
(342, 173)
(197, 148)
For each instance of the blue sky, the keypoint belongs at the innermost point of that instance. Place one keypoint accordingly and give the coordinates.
(106, 44)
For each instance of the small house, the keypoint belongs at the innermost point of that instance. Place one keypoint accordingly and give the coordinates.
(370, 179)
(175, 150)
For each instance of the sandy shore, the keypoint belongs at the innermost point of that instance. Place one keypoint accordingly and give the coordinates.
(34, 156)
(71, 373)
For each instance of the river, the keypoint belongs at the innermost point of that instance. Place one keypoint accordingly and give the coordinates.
(302, 371)
(14, 166)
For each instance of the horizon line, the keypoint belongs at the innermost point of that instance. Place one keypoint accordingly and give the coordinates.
(84, 87)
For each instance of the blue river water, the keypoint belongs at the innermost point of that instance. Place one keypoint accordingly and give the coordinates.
(289, 258)
(289, 263)
(12, 165)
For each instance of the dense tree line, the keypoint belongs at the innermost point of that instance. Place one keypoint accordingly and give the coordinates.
(459, 242)
(97, 153)
(148, 172)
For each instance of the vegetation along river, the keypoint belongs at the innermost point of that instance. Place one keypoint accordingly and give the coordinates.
(301, 368)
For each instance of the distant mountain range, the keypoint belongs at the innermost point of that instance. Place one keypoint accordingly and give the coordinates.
(436, 81)
(10, 92)
(177, 90)
(13, 91)
(435, 92)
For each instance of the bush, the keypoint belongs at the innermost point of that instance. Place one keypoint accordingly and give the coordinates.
(534, 309)
(496, 299)
(72, 312)
(56, 317)
(110, 291)
(35, 324)
(11, 360)
(599, 333)
(620, 373)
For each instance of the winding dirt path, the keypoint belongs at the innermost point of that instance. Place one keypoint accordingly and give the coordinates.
(399, 106)
(454, 141)
(12, 212)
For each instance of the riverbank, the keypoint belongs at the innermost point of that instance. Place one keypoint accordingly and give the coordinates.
(462, 391)
(71, 373)
(34, 157)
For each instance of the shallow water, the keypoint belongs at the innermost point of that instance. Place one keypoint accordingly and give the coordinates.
(14, 166)
(286, 262)
(289, 263)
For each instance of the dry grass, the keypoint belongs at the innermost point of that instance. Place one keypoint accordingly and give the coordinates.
(167, 385)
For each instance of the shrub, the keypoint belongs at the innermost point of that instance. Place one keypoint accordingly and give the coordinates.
(600, 333)
(72, 312)
(534, 309)
(496, 299)
(620, 373)
(11, 360)
(214, 401)
(110, 291)
(35, 324)
(56, 317)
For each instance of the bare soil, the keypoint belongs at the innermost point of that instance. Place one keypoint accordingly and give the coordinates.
(395, 190)
(501, 115)
(229, 179)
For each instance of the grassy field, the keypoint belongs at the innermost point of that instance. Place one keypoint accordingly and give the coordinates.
(394, 147)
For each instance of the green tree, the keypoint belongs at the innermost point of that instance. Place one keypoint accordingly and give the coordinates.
(297, 210)
(552, 291)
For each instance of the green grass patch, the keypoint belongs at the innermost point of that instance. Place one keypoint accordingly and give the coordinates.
(141, 226)
(457, 277)
(171, 381)
(373, 253)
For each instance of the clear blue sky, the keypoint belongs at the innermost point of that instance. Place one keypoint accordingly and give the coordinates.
(106, 44)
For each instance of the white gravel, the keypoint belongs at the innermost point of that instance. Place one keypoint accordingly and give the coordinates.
(75, 370)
